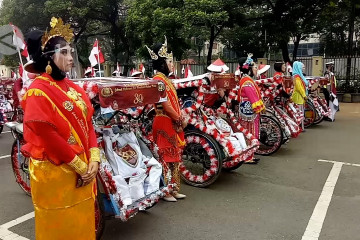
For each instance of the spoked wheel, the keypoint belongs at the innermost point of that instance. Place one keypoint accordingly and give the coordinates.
(319, 117)
(232, 168)
(271, 136)
(20, 165)
(310, 114)
(202, 160)
(99, 216)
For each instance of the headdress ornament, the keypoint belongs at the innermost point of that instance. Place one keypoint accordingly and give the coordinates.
(163, 52)
(58, 29)
(249, 61)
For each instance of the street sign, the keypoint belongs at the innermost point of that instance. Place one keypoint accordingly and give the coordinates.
(6, 40)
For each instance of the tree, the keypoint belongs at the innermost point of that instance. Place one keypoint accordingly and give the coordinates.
(151, 20)
(211, 17)
(285, 19)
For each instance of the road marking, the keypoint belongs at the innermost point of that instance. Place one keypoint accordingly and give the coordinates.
(5, 156)
(344, 163)
(317, 218)
(6, 132)
(316, 221)
(6, 234)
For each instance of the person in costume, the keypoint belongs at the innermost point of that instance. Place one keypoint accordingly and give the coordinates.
(299, 95)
(250, 102)
(215, 97)
(280, 69)
(168, 123)
(262, 72)
(60, 140)
(329, 91)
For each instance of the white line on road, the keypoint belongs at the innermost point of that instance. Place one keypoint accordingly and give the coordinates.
(316, 221)
(5, 156)
(6, 132)
(5, 233)
(344, 163)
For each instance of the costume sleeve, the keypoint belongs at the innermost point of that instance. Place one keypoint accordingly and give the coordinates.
(256, 102)
(299, 87)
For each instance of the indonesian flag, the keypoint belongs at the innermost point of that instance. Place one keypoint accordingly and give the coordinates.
(237, 72)
(188, 72)
(142, 68)
(18, 38)
(25, 53)
(96, 55)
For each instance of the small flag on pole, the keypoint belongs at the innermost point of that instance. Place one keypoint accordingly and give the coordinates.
(96, 56)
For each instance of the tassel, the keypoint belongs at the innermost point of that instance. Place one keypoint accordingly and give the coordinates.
(48, 68)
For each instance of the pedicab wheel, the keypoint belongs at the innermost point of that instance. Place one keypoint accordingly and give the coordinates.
(99, 216)
(236, 166)
(271, 136)
(310, 114)
(318, 118)
(20, 166)
(202, 161)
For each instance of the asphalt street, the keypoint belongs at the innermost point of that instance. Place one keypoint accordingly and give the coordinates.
(273, 200)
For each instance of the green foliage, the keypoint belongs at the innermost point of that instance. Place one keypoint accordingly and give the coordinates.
(125, 26)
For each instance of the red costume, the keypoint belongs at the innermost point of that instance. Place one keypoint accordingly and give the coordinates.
(166, 134)
(69, 127)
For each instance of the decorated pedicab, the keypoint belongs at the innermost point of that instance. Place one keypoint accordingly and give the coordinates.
(281, 120)
(315, 107)
(130, 178)
(215, 139)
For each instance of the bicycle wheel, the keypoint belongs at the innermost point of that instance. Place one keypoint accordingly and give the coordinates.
(271, 136)
(20, 166)
(202, 161)
(310, 114)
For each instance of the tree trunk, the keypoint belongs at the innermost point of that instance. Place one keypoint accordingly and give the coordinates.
(284, 49)
(296, 46)
(211, 43)
(350, 42)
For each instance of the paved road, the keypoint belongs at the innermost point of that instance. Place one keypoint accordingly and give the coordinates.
(273, 200)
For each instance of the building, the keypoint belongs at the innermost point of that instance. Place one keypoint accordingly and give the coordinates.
(308, 47)
(5, 71)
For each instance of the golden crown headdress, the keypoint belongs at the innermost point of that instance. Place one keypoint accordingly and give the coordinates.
(161, 53)
(58, 29)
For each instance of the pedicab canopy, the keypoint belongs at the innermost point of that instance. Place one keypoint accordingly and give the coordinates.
(122, 93)
(224, 80)
(315, 81)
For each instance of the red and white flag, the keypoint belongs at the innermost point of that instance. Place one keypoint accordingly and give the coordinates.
(18, 37)
(96, 56)
(237, 72)
(188, 72)
(25, 53)
(142, 68)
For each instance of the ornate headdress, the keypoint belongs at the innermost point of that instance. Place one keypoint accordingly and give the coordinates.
(161, 53)
(249, 61)
(58, 29)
